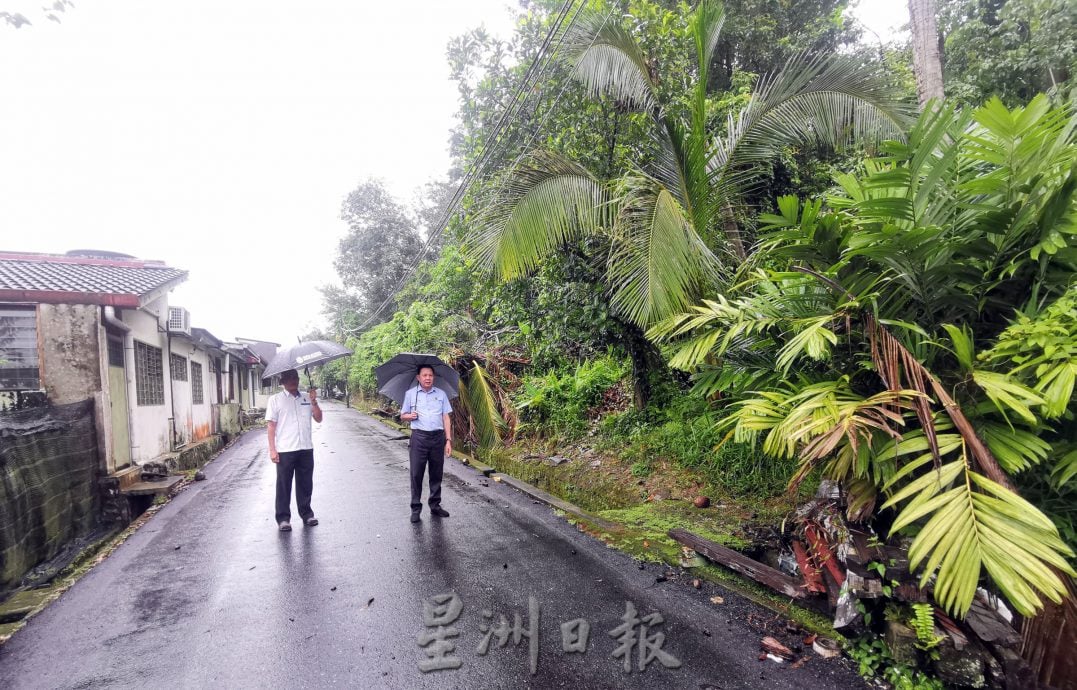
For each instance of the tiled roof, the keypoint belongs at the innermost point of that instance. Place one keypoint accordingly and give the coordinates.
(77, 280)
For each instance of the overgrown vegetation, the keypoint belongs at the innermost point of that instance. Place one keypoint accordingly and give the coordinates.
(722, 253)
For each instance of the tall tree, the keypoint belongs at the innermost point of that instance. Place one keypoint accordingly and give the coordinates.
(926, 53)
(380, 246)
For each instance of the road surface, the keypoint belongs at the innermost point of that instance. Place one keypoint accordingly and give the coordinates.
(208, 592)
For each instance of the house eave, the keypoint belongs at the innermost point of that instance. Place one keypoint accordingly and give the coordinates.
(124, 301)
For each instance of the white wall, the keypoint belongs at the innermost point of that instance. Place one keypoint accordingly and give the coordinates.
(201, 415)
(150, 430)
(181, 392)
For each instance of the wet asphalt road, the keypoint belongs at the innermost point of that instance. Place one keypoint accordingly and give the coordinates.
(208, 592)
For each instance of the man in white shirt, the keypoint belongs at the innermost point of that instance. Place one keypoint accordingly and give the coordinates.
(428, 410)
(291, 448)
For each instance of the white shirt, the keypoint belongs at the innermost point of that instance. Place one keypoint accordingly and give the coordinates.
(293, 417)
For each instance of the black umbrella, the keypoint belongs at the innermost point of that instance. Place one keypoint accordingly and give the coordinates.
(303, 355)
(397, 375)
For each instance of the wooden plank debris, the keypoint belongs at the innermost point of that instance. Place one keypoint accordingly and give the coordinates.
(772, 646)
(813, 580)
(823, 555)
(763, 574)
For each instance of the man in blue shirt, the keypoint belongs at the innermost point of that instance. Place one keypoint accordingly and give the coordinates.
(428, 410)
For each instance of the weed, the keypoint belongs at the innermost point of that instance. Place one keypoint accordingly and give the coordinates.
(873, 656)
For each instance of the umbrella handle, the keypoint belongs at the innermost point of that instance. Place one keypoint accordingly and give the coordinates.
(310, 384)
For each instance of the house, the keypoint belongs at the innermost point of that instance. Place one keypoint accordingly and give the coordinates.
(105, 388)
(264, 389)
(91, 324)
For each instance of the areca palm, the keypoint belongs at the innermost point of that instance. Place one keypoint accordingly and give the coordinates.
(668, 224)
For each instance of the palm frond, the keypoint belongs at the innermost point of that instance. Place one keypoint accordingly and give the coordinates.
(1017, 449)
(1066, 469)
(829, 100)
(815, 419)
(659, 264)
(607, 61)
(545, 203)
(1008, 394)
(707, 23)
(975, 524)
(479, 400)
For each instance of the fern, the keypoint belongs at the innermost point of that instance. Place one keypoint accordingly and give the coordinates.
(923, 622)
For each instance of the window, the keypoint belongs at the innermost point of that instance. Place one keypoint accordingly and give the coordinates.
(18, 348)
(149, 375)
(178, 365)
(115, 352)
(196, 384)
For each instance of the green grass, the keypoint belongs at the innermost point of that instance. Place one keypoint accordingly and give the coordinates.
(653, 520)
(577, 483)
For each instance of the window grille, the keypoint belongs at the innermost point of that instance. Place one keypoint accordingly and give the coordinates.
(197, 396)
(149, 375)
(18, 348)
(178, 365)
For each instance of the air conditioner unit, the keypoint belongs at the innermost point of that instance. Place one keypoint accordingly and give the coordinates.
(179, 320)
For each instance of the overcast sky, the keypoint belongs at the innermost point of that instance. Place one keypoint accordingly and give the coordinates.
(221, 136)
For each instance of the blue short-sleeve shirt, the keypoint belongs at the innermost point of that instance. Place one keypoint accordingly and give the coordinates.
(429, 404)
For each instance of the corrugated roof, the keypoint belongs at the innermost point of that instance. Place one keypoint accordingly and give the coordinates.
(78, 280)
(263, 348)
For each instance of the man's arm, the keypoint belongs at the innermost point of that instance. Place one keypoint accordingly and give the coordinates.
(446, 423)
(406, 414)
(272, 427)
(315, 408)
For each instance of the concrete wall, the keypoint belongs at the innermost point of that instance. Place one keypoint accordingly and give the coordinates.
(180, 390)
(70, 351)
(260, 398)
(150, 429)
(229, 418)
(202, 415)
(194, 422)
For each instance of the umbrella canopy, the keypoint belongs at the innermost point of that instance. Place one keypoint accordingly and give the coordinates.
(308, 354)
(397, 375)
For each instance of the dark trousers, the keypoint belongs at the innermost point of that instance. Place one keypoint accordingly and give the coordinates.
(301, 464)
(427, 448)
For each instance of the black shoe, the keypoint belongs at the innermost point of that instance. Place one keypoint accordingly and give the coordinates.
(415, 517)
(311, 521)
(438, 511)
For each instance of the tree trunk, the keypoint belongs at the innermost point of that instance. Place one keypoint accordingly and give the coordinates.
(926, 59)
(732, 232)
(645, 359)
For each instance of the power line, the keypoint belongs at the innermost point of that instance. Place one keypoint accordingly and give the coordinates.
(485, 156)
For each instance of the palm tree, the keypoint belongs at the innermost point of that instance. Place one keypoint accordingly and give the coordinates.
(668, 226)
